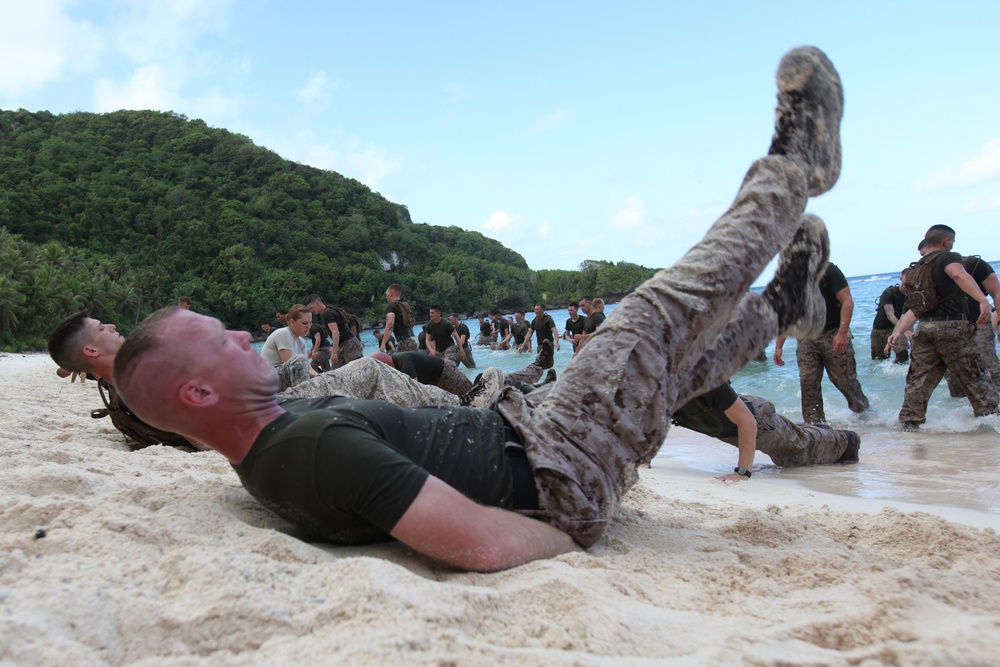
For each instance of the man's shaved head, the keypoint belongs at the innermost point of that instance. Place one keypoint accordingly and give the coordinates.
(67, 341)
(148, 366)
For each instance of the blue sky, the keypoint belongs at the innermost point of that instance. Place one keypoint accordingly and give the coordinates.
(566, 130)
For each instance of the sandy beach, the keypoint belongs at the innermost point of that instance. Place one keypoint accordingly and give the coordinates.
(159, 557)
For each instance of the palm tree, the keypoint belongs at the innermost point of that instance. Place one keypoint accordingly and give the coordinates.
(11, 304)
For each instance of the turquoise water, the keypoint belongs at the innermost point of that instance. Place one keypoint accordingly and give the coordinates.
(953, 461)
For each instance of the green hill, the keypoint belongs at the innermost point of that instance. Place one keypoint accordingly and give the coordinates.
(123, 212)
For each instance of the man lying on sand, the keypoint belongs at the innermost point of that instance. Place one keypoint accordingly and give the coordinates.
(491, 489)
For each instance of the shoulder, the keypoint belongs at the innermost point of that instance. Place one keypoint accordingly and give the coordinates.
(835, 277)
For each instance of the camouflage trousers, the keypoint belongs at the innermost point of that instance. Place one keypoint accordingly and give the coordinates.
(453, 380)
(814, 355)
(451, 354)
(371, 379)
(687, 329)
(348, 351)
(880, 337)
(321, 360)
(293, 372)
(940, 346)
(408, 344)
(987, 339)
(790, 444)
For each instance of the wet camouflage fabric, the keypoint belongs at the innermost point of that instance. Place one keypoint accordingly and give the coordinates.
(530, 374)
(451, 354)
(814, 355)
(987, 339)
(349, 350)
(407, 345)
(946, 345)
(453, 380)
(790, 444)
(672, 338)
(371, 379)
(321, 360)
(879, 339)
(293, 372)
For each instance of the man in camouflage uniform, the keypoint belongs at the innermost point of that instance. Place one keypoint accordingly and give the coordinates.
(831, 350)
(682, 332)
(986, 280)
(889, 310)
(946, 338)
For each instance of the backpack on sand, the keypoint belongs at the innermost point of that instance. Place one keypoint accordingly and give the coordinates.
(921, 292)
(138, 433)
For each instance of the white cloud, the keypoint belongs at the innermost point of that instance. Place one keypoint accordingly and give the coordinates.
(631, 215)
(149, 88)
(981, 204)
(501, 220)
(39, 43)
(552, 120)
(317, 89)
(156, 31)
(979, 169)
(371, 165)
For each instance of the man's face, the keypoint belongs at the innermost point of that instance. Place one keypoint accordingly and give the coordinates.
(103, 338)
(539, 311)
(225, 356)
(435, 316)
(585, 307)
(572, 312)
(315, 307)
(453, 320)
(281, 318)
(266, 328)
(519, 317)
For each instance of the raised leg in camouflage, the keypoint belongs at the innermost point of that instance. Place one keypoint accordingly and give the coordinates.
(371, 379)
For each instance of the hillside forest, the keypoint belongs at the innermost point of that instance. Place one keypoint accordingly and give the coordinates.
(122, 213)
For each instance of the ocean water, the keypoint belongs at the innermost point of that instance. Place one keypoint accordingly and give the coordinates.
(954, 460)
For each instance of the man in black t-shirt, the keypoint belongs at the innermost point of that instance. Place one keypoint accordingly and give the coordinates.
(398, 320)
(463, 334)
(946, 338)
(574, 325)
(750, 422)
(831, 351)
(544, 328)
(891, 305)
(442, 340)
(492, 489)
(986, 280)
(345, 347)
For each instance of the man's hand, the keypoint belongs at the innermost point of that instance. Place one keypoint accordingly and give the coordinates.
(732, 477)
(777, 357)
(841, 340)
(985, 310)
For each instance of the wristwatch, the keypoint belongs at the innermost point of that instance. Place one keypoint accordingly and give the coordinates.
(743, 472)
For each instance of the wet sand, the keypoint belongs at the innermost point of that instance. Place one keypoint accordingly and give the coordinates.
(160, 558)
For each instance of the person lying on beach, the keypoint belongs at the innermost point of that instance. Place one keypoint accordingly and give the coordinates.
(489, 489)
(750, 423)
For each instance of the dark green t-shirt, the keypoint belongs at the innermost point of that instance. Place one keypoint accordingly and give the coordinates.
(832, 282)
(543, 326)
(707, 413)
(345, 470)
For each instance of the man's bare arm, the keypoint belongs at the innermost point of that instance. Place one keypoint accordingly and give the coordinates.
(843, 336)
(746, 425)
(957, 272)
(444, 524)
(390, 321)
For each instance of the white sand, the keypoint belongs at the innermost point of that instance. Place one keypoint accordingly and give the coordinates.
(160, 558)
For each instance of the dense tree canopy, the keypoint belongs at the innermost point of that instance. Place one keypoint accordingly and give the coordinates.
(123, 212)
